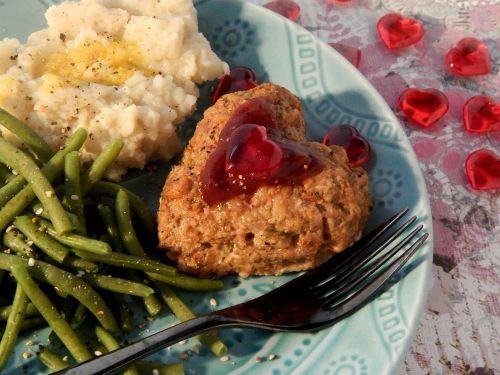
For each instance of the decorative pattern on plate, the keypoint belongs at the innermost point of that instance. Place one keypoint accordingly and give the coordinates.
(263, 287)
(389, 320)
(347, 365)
(323, 108)
(386, 187)
(232, 38)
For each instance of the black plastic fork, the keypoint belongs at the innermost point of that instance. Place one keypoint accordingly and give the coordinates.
(317, 299)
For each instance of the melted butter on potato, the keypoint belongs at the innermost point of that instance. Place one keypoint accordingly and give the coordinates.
(10, 91)
(110, 64)
(6, 88)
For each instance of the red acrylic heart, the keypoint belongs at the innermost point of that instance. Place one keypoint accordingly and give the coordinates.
(483, 170)
(287, 8)
(469, 58)
(353, 55)
(240, 78)
(423, 106)
(481, 115)
(243, 73)
(357, 147)
(398, 32)
(251, 152)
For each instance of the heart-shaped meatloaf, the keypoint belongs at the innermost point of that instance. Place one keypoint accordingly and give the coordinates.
(290, 210)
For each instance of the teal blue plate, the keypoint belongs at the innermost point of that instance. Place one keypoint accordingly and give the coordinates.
(375, 340)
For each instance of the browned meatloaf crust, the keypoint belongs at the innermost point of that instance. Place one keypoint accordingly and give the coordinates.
(281, 228)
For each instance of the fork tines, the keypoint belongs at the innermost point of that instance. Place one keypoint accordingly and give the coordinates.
(365, 267)
(366, 293)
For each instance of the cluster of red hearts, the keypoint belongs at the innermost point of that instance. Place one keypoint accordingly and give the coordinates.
(427, 106)
(358, 149)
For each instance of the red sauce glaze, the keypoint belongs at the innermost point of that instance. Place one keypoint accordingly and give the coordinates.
(240, 78)
(252, 153)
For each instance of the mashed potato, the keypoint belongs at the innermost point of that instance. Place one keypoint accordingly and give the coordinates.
(119, 68)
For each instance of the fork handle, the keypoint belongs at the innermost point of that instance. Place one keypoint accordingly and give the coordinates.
(120, 358)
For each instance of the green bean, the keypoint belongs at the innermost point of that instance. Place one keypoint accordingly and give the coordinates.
(133, 246)
(73, 193)
(213, 343)
(46, 243)
(26, 135)
(128, 261)
(108, 218)
(105, 238)
(183, 313)
(96, 346)
(51, 360)
(188, 282)
(9, 190)
(76, 241)
(18, 243)
(13, 326)
(126, 229)
(31, 323)
(54, 340)
(106, 339)
(22, 199)
(101, 164)
(79, 264)
(37, 209)
(67, 283)
(127, 232)
(144, 214)
(79, 314)
(123, 313)
(111, 344)
(30, 312)
(151, 303)
(148, 368)
(69, 307)
(68, 310)
(60, 293)
(70, 339)
(118, 285)
(18, 160)
(5, 175)
(125, 226)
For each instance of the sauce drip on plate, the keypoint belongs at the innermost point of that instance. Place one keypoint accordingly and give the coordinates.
(252, 153)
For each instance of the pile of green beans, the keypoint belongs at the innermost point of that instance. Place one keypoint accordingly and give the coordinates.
(70, 243)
